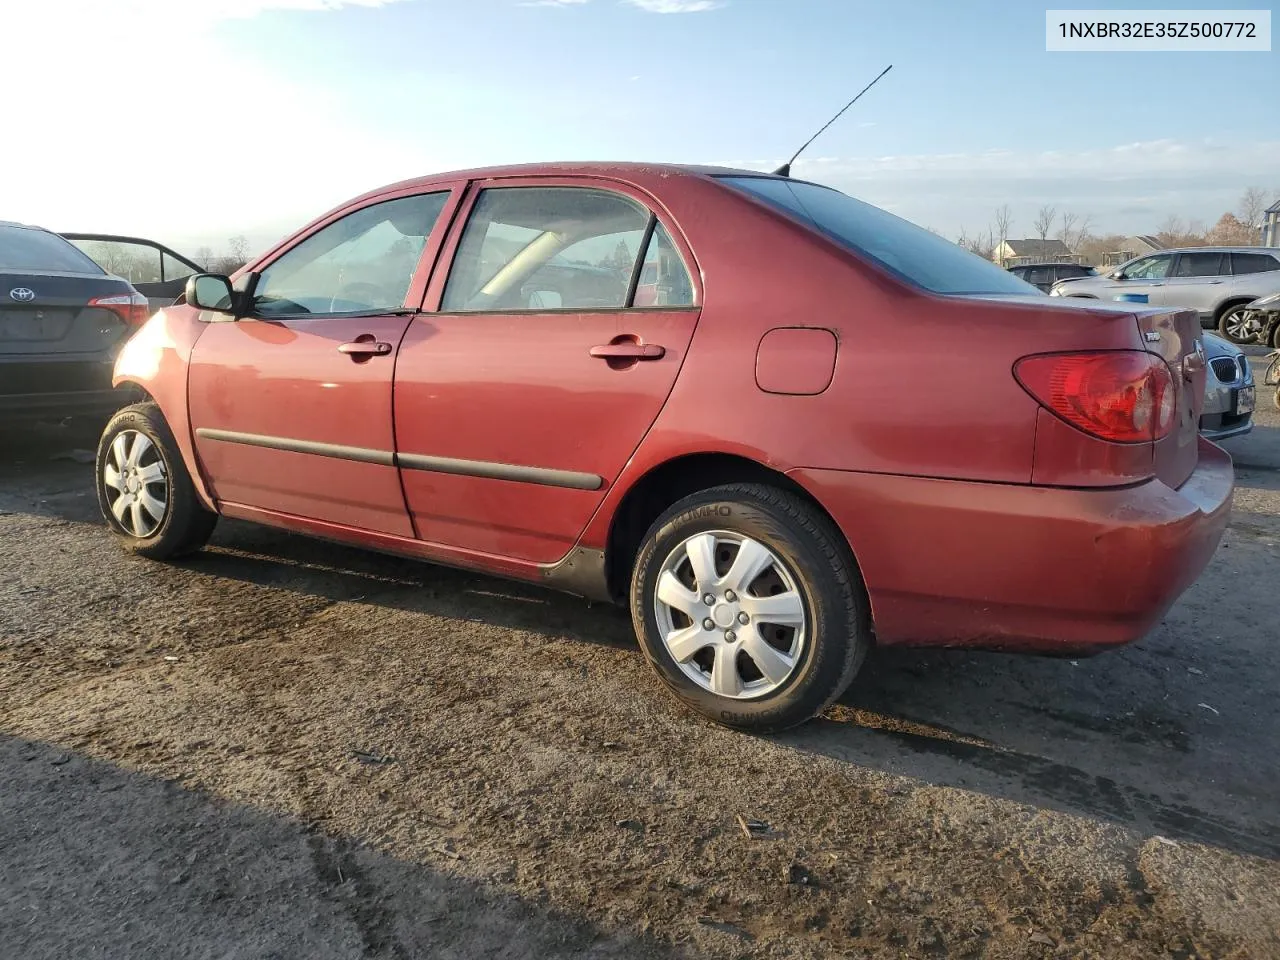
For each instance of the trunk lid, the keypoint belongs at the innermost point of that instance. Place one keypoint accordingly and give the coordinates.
(1176, 336)
(47, 314)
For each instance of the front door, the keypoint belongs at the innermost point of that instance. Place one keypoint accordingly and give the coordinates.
(1143, 277)
(291, 405)
(562, 322)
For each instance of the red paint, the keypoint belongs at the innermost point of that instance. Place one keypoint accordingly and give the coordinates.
(967, 504)
(288, 378)
(796, 361)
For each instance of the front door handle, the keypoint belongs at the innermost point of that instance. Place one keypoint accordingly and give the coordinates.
(364, 347)
(629, 350)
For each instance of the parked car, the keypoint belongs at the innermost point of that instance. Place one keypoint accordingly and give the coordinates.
(158, 273)
(1218, 282)
(736, 459)
(1229, 393)
(62, 321)
(1045, 275)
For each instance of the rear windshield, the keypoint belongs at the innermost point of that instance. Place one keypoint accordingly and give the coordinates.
(913, 253)
(25, 248)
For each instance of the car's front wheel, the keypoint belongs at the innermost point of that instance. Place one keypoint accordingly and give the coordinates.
(749, 606)
(144, 490)
(1239, 324)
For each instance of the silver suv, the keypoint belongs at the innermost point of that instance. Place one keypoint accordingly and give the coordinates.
(1217, 281)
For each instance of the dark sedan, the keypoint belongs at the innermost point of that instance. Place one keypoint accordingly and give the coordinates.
(62, 322)
(1045, 275)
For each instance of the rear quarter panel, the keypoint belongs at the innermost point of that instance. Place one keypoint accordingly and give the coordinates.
(922, 385)
(156, 359)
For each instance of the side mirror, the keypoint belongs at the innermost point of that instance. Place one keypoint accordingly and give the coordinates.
(1115, 275)
(210, 291)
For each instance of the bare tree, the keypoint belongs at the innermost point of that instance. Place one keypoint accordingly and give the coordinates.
(204, 257)
(238, 248)
(1252, 204)
(1172, 231)
(1044, 223)
(1074, 230)
(1003, 223)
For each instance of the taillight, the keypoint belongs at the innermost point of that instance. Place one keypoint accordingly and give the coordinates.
(1120, 395)
(132, 308)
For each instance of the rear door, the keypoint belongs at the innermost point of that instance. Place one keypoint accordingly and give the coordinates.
(154, 270)
(1195, 282)
(545, 352)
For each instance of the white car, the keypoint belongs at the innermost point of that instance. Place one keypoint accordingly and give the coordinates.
(1218, 282)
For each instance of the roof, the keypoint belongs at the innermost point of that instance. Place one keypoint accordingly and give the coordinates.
(1037, 247)
(1274, 208)
(601, 168)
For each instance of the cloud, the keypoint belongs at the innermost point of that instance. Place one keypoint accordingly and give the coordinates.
(552, 3)
(677, 6)
(1125, 188)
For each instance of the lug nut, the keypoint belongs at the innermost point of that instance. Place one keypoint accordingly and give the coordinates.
(730, 596)
(708, 624)
(743, 618)
(730, 636)
(709, 600)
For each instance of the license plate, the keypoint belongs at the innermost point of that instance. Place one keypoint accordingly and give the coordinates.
(16, 325)
(1244, 400)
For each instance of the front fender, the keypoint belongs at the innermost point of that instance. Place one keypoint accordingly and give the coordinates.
(155, 359)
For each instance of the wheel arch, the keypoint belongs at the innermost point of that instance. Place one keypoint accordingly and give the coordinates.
(674, 479)
(1227, 304)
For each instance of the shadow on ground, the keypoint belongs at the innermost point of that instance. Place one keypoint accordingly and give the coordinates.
(104, 862)
(1173, 735)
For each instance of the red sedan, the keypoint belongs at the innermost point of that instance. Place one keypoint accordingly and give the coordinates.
(780, 423)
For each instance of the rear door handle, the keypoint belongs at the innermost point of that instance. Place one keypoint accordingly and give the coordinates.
(365, 348)
(629, 351)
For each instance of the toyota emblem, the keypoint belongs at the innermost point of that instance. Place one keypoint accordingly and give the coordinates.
(22, 294)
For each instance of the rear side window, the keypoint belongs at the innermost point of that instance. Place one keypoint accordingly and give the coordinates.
(913, 253)
(1200, 265)
(546, 248)
(25, 248)
(1253, 263)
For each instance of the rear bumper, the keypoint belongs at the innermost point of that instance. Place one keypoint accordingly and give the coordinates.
(57, 386)
(1035, 569)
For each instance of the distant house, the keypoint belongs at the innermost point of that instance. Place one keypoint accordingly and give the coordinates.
(1271, 226)
(1011, 253)
(1135, 246)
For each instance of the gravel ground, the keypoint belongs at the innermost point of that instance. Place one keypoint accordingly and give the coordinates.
(282, 748)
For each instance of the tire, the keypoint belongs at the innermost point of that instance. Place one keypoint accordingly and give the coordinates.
(1227, 318)
(810, 579)
(148, 472)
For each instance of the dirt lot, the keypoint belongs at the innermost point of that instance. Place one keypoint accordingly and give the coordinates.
(286, 749)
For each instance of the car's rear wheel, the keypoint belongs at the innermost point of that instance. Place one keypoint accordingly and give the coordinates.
(1238, 324)
(749, 606)
(144, 490)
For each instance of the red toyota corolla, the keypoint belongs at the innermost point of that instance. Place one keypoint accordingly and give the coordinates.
(781, 423)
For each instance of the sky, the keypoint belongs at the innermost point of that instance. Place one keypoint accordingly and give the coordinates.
(191, 121)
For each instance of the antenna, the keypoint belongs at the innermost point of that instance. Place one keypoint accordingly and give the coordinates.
(785, 169)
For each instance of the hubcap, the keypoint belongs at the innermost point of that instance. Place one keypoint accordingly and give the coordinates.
(730, 614)
(136, 484)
